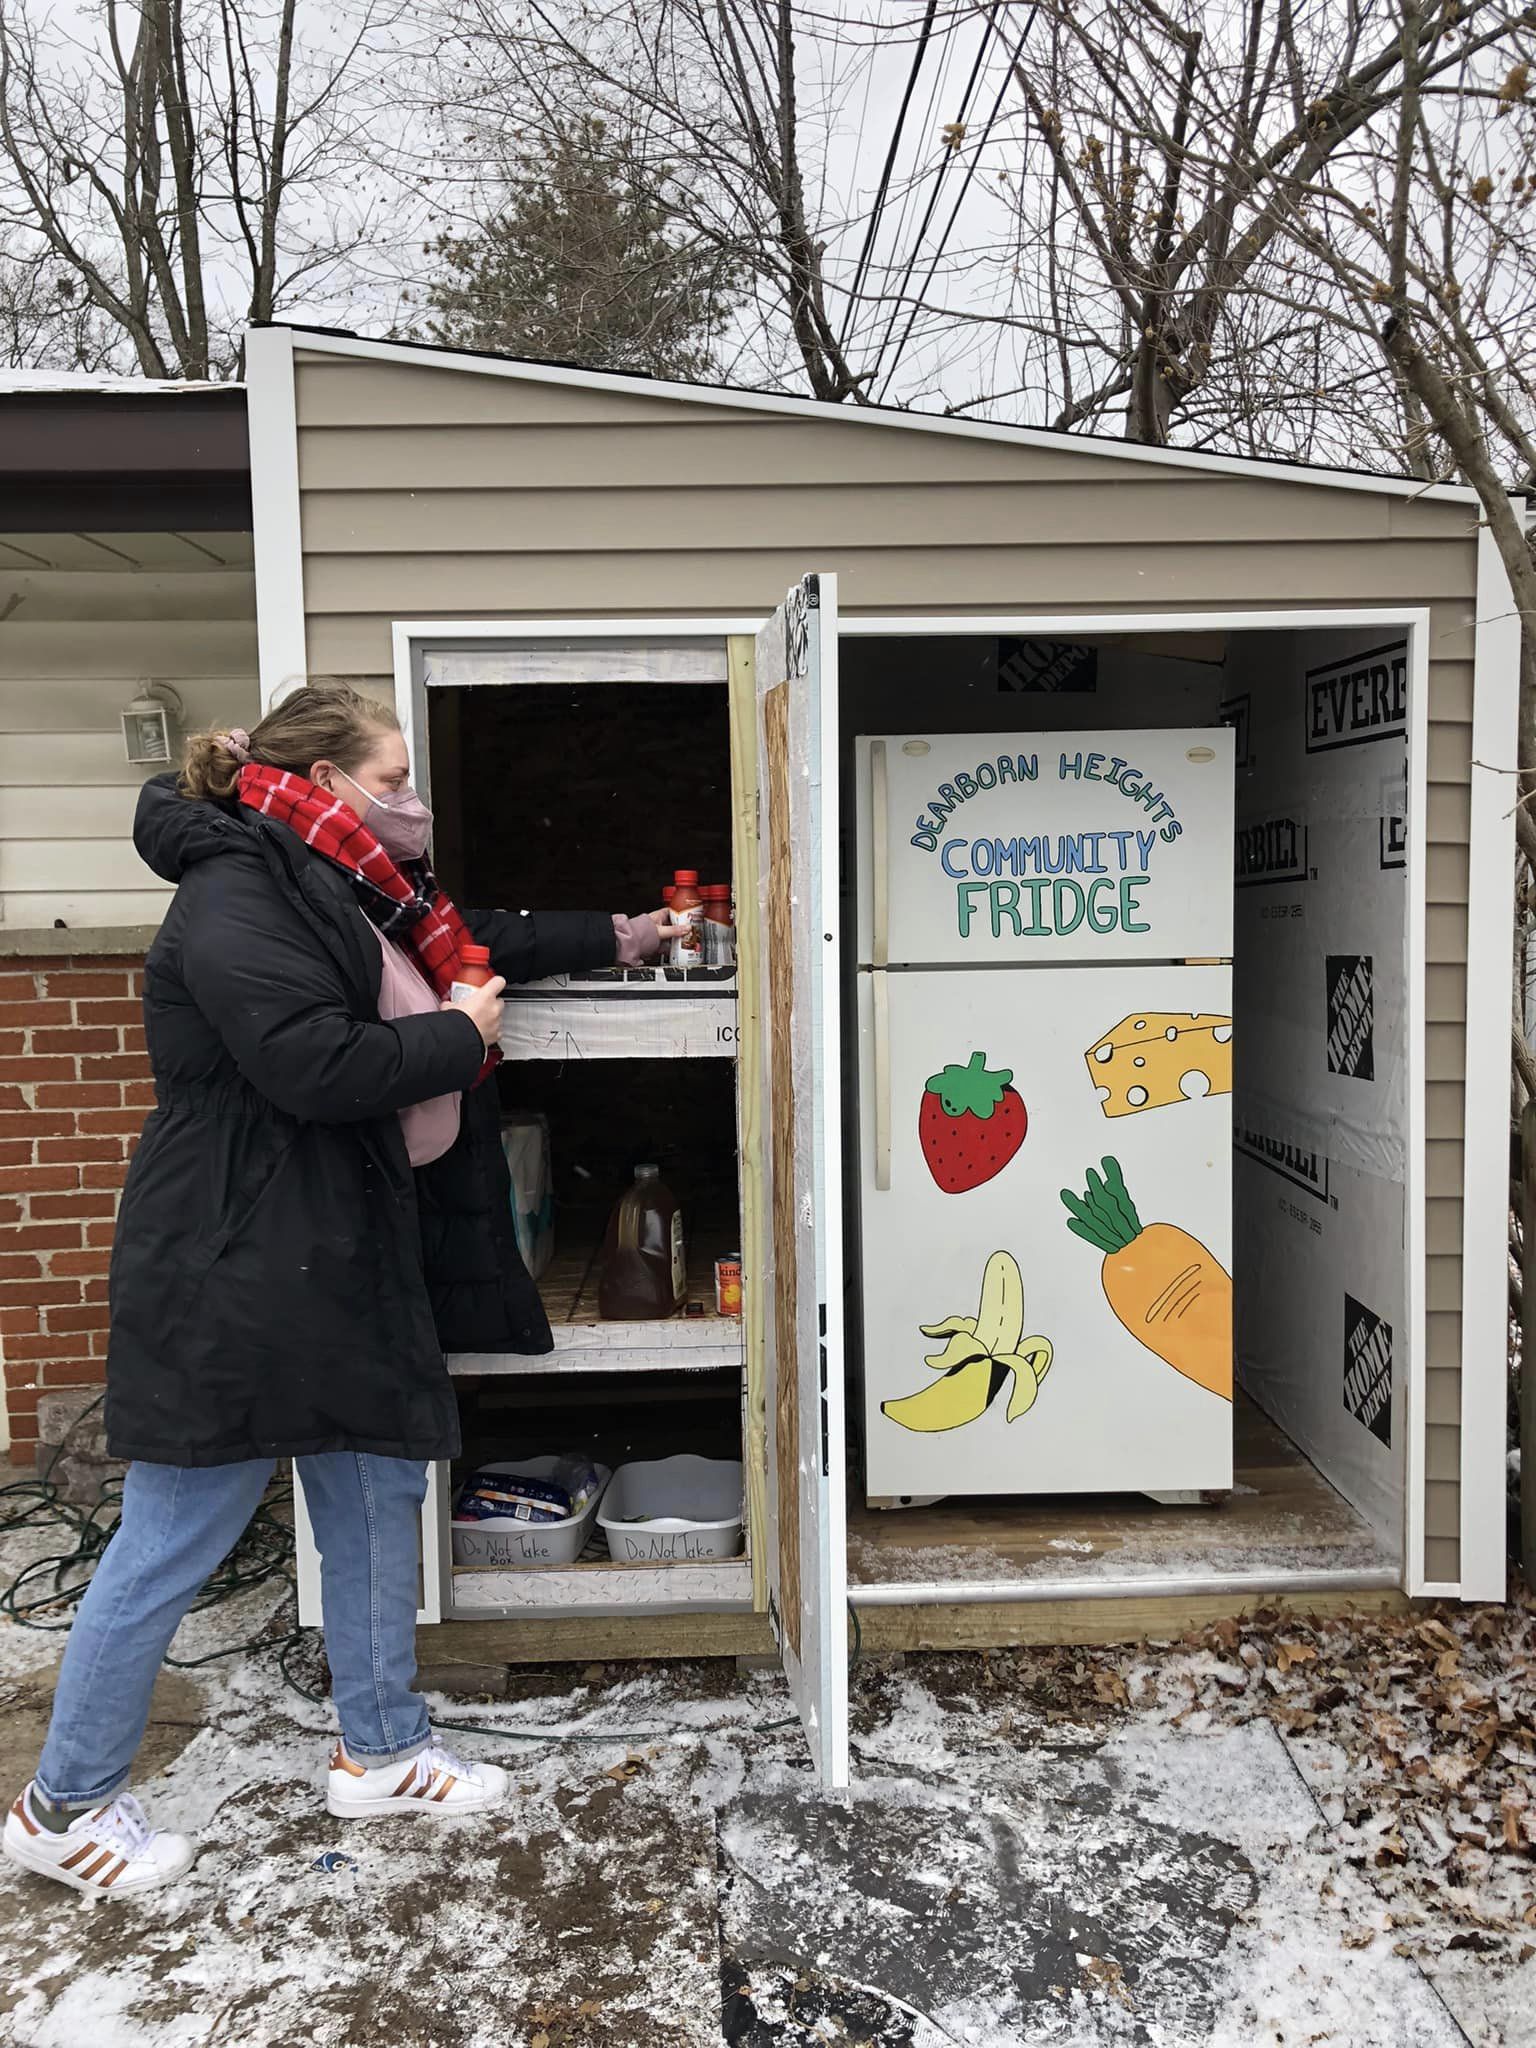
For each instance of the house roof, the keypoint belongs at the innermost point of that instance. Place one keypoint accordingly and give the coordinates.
(341, 341)
(96, 384)
(121, 454)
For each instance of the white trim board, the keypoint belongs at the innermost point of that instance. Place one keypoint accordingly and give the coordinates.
(1249, 1585)
(277, 547)
(323, 341)
(1485, 1136)
(1480, 1502)
(1416, 1245)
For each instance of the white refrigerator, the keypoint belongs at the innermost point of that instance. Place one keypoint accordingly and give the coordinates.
(1045, 1073)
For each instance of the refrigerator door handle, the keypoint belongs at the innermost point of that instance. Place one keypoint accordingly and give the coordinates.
(879, 868)
(879, 990)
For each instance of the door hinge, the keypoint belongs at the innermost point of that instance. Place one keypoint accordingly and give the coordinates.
(826, 1431)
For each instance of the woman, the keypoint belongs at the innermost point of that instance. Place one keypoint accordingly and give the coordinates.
(318, 1210)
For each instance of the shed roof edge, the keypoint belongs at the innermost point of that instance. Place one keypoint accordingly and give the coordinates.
(338, 341)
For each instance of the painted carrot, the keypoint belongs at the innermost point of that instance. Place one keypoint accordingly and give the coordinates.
(1163, 1284)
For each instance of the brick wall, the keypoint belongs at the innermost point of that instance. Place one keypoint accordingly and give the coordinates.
(74, 1090)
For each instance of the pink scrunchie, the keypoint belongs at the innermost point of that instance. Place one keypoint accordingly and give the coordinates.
(237, 742)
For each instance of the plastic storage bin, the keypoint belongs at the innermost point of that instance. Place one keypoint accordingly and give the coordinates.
(691, 1509)
(502, 1542)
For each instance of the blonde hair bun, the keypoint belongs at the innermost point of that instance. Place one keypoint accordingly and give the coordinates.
(326, 719)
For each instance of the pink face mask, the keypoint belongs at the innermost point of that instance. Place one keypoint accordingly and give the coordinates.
(401, 823)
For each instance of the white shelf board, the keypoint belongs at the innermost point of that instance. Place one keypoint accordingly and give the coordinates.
(618, 1347)
(724, 1587)
(635, 1013)
(643, 984)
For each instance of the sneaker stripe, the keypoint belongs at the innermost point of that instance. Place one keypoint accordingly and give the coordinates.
(95, 1869)
(86, 1849)
(21, 1813)
(447, 1786)
(406, 1784)
(115, 1873)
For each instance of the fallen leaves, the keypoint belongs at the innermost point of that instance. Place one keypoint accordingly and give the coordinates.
(1105, 1976)
(1288, 1655)
(561, 2026)
(631, 1767)
(1417, 1732)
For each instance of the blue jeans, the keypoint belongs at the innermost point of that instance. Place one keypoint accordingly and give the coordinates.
(178, 1524)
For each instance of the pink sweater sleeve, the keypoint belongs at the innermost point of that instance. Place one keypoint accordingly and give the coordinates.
(637, 940)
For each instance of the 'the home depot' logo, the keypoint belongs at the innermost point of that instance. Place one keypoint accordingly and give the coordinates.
(1368, 1368)
(1350, 703)
(1046, 666)
(1351, 1016)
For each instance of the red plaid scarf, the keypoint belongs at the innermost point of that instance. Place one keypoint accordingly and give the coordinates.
(402, 901)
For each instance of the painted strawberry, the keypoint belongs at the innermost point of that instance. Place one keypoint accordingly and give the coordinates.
(970, 1124)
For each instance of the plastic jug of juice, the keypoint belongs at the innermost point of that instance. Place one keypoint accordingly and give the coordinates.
(645, 1264)
(687, 908)
(473, 971)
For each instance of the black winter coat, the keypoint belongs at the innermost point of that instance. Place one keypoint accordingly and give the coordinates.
(282, 1282)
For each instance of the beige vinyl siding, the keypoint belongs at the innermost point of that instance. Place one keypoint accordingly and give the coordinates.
(434, 493)
(86, 619)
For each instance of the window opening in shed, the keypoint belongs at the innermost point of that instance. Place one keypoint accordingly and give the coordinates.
(586, 792)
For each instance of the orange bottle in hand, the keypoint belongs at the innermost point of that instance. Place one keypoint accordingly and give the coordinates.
(473, 971)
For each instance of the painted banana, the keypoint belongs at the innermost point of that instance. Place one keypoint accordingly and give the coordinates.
(982, 1351)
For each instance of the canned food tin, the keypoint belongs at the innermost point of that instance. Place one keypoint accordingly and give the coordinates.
(728, 1285)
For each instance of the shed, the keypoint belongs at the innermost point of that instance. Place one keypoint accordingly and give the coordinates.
(508, 548)
(573, 587)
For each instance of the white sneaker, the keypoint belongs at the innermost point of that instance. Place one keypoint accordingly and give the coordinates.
(432, 1781)
(110, 1848)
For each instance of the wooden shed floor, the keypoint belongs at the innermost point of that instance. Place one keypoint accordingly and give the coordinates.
(1282, 1516)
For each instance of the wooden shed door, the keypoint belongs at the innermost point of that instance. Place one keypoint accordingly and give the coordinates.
(795, 664)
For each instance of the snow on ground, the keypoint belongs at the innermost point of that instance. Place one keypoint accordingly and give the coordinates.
(1267, 1835)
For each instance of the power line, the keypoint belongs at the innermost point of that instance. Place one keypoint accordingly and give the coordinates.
(933, 198)
(861, 269)
(949, 226)
(915, 182)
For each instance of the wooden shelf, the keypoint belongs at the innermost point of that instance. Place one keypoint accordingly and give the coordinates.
(584, 1342)
(1281, 1517)
(723, 1587)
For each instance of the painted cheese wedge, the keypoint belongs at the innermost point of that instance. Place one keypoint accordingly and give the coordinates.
(1160, 1057)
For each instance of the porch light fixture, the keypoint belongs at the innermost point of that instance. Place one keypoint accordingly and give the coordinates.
(149, 725)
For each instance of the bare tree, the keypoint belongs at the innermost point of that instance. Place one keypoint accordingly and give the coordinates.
(188, 164)
(1157, 290)
(43, 316)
